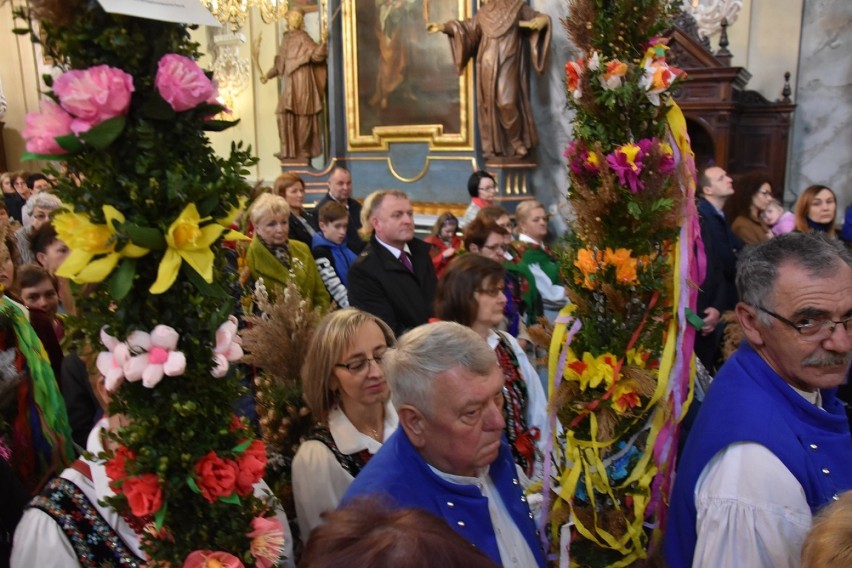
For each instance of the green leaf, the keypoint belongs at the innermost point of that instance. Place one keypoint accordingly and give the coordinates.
(26, 156)
(232, 499)
(160, 517)
(190, 481)
(209, 109)
(102, 135)
(122, 279)
(157, 108)
(240, 448)
(218, 125)
(208, 289)
(206, 205)
(146, 237)
(634, 210)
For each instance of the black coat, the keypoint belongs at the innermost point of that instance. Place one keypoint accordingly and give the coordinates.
(353, 241)
(721, 247)
(297, 229)
(381, 285)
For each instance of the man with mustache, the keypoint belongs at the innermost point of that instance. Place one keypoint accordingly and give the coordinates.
(449, 456)
(771, 443)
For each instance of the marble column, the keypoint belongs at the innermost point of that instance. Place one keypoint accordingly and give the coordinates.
(822, 133)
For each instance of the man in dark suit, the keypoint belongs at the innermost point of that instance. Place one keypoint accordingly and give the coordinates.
(340, 190)
(718, 292)
(393, 278)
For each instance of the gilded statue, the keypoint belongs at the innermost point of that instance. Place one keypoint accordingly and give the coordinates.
(301, 65)
(504, 36)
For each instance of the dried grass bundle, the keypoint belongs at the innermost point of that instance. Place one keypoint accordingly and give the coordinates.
(641, 381)
(580, 26)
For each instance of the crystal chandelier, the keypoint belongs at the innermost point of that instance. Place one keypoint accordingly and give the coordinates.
(234, 12)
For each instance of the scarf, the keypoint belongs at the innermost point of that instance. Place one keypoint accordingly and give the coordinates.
(819, 227)
(340, 253)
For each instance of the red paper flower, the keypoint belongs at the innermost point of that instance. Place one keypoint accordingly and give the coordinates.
(251, 464)
(216, 477)
(144, 494)
(211, 559)
(116, 467)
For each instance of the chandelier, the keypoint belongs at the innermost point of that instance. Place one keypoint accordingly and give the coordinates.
(234, 12)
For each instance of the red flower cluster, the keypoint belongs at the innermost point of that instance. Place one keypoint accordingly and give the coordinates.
(220, 477)
(144, 494)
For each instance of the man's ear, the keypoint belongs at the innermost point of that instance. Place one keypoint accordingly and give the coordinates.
(747, 316)
(414, 424)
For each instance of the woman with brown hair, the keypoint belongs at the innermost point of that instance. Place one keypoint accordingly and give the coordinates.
(345, 388)
(816, 209)
(743, 208)
(302, 223)
(472, 293)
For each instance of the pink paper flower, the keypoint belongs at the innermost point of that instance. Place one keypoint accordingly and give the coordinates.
(227, 347)
(182, 83)
(211, 559)
(94, 95)
(154, 356)
(42, 128)
(111, 363)
(626, 162)
(267, 541)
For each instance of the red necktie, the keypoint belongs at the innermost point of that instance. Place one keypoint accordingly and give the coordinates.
(406, 261)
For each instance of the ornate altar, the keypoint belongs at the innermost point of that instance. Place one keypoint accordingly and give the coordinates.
(738, 129)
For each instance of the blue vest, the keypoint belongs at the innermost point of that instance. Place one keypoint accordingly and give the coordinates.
(749, 402)
(399, 471)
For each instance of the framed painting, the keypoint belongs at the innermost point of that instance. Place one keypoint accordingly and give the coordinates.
(400, 81)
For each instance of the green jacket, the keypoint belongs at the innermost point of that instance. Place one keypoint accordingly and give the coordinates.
(263, 264)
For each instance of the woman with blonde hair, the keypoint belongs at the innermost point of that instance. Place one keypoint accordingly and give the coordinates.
(815, 210)
(277, 259)
(535, 255)
(344, 385)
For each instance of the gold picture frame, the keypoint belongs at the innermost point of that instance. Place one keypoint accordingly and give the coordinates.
(400, 82)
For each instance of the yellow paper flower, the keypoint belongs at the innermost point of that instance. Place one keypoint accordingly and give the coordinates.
(231, 218)
(630, 152)
(591, 371)
(187, 241)
(624, 398)
(87, 241)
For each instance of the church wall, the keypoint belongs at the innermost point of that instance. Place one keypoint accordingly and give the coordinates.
(822, 129)
(765, 39)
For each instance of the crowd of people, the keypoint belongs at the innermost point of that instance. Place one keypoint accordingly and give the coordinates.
(422, 376)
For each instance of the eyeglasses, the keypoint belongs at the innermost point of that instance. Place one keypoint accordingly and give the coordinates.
(765, 192)
(361, 365)
(816, 329)
(493, 291)
(501, 248)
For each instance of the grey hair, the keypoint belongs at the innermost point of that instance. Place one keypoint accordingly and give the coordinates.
(757, 269)
(43, 200)
(426, 352)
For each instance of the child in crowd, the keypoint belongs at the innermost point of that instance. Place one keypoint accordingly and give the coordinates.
(778, 219)
(444, 240)
(331, 253)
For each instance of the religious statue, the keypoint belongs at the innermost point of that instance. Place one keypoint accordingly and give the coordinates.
(494, 35)
(301, 65)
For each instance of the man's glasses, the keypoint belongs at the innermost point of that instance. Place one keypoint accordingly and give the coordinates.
(361, 365)
(812, 328)
(501, 248)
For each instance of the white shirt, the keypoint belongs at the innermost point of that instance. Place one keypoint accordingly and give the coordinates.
(550, 292)
(513, 548)
(319, 481)
(393, 250)
(40, 541)
(751, 511)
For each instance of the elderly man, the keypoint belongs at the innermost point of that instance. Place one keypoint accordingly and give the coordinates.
(771, 444)
(449, 456)
(340, 190)
(394, 278)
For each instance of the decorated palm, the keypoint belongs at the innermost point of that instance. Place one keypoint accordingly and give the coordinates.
(620, 355)
(145, 228)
